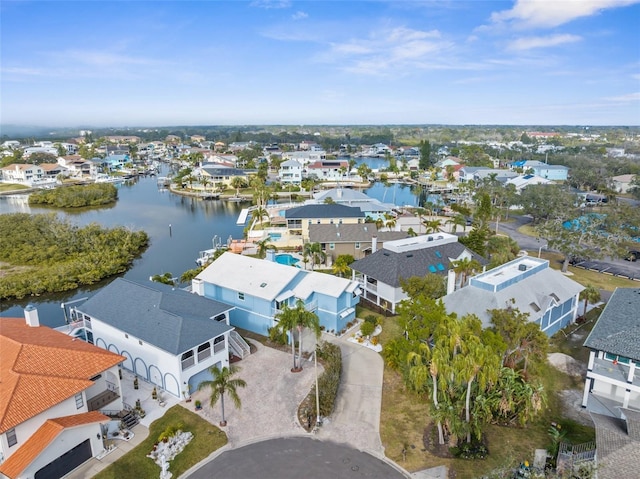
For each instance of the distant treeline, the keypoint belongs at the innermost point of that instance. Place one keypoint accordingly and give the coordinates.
(76, 196)
(45, 254)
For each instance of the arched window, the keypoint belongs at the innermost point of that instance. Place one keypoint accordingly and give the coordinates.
(218, 344)
(187, 360)
(204, 351)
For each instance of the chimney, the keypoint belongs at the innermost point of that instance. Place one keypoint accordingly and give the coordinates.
(451, 281)
(374, 244)
(31, 315)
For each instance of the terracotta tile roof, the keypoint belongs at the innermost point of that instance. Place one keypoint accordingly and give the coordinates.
(44, 436)
(43, 363)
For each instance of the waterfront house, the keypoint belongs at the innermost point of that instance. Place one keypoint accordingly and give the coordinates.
(371, 207)
(380, 273)
(299, 218)
(328, 170)
(526, 283)
(357, 240)
(52, 389)
(260, 288)
(168, 336)
(25, 174)
(304, 157)
(613, 374)
(219, 174)
(290, 172)
(78, 166)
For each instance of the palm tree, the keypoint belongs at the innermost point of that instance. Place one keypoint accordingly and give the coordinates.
(264, 245)
(298, 318)
(391, 221)
(457, 220)
(464, 267)
(237, 182)
(286, 318)
(204, 180)
(433, 226)
(590, 295)
(315, 252)
(341, 265)
(222, 383)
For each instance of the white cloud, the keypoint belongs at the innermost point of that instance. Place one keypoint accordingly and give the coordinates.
(630, 97)
(547, 13)
(527, 43)
(300, 15)
(390, 50)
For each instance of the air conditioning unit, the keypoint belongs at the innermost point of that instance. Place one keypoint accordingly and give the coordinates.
(522, 267)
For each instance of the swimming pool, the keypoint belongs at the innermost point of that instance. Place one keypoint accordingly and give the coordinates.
(275, 236)
(286, 258)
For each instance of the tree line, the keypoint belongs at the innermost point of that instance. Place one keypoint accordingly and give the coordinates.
(76, 196)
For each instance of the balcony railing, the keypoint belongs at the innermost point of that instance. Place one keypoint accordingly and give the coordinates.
(617, 372)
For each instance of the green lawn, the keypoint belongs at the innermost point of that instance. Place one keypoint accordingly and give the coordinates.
(12, 187)
(207, 438)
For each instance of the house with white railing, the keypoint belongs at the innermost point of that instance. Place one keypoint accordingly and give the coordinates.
(54, 390)
(613, 372)
(168, 337)
(259, 289)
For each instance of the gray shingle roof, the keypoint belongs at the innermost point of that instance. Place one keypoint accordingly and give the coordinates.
(323, 211)
(389, 267)
(618, 328)
(172, 319)
(349, 233)
(537, 289)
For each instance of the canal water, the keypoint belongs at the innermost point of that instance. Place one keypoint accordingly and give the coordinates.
(178, 227)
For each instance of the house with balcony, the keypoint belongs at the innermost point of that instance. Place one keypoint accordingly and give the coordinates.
(613, 372)
(299, 218)
(218, 174)
(54, 389)
(328, 170)
(290, 172)
(25, 174)
(371, 207)
(259, 289)
(168, 337)
(78, 166)
(305, 157)
(381, 272)
(357, 240)
(526, 283)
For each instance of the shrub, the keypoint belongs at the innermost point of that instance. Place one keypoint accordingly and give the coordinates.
(470, 450)
(373, 319)
(329, 381)
(276, 335)
(367, 328)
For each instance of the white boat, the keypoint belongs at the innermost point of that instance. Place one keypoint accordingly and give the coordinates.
(205, 256)
(109, 179)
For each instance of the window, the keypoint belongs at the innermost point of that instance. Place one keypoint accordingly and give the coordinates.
(241, 296)
(187, 360)
(218, 344)
(79, 401)
(204, 351)
(220, 317)
(12, 439)
(357, 245)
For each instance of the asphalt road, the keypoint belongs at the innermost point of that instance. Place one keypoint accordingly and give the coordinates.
(296, 457)
(616, 267)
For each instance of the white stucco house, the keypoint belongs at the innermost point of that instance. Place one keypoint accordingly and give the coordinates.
(168, 336)
(290, 172)
(52, 390)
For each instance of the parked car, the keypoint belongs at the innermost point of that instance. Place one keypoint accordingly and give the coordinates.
(633, 255)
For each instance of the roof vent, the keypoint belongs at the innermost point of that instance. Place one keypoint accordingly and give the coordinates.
(522, 267)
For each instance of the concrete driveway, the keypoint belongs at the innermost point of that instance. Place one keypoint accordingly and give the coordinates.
(356, 418)
(269, 402)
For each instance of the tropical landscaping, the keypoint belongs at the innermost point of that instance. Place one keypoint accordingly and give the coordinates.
(207, 438)
(77, 196)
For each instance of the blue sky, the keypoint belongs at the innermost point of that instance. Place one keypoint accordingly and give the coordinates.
(146, 63)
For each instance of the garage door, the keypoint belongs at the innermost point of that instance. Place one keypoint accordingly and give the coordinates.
(66, 463)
